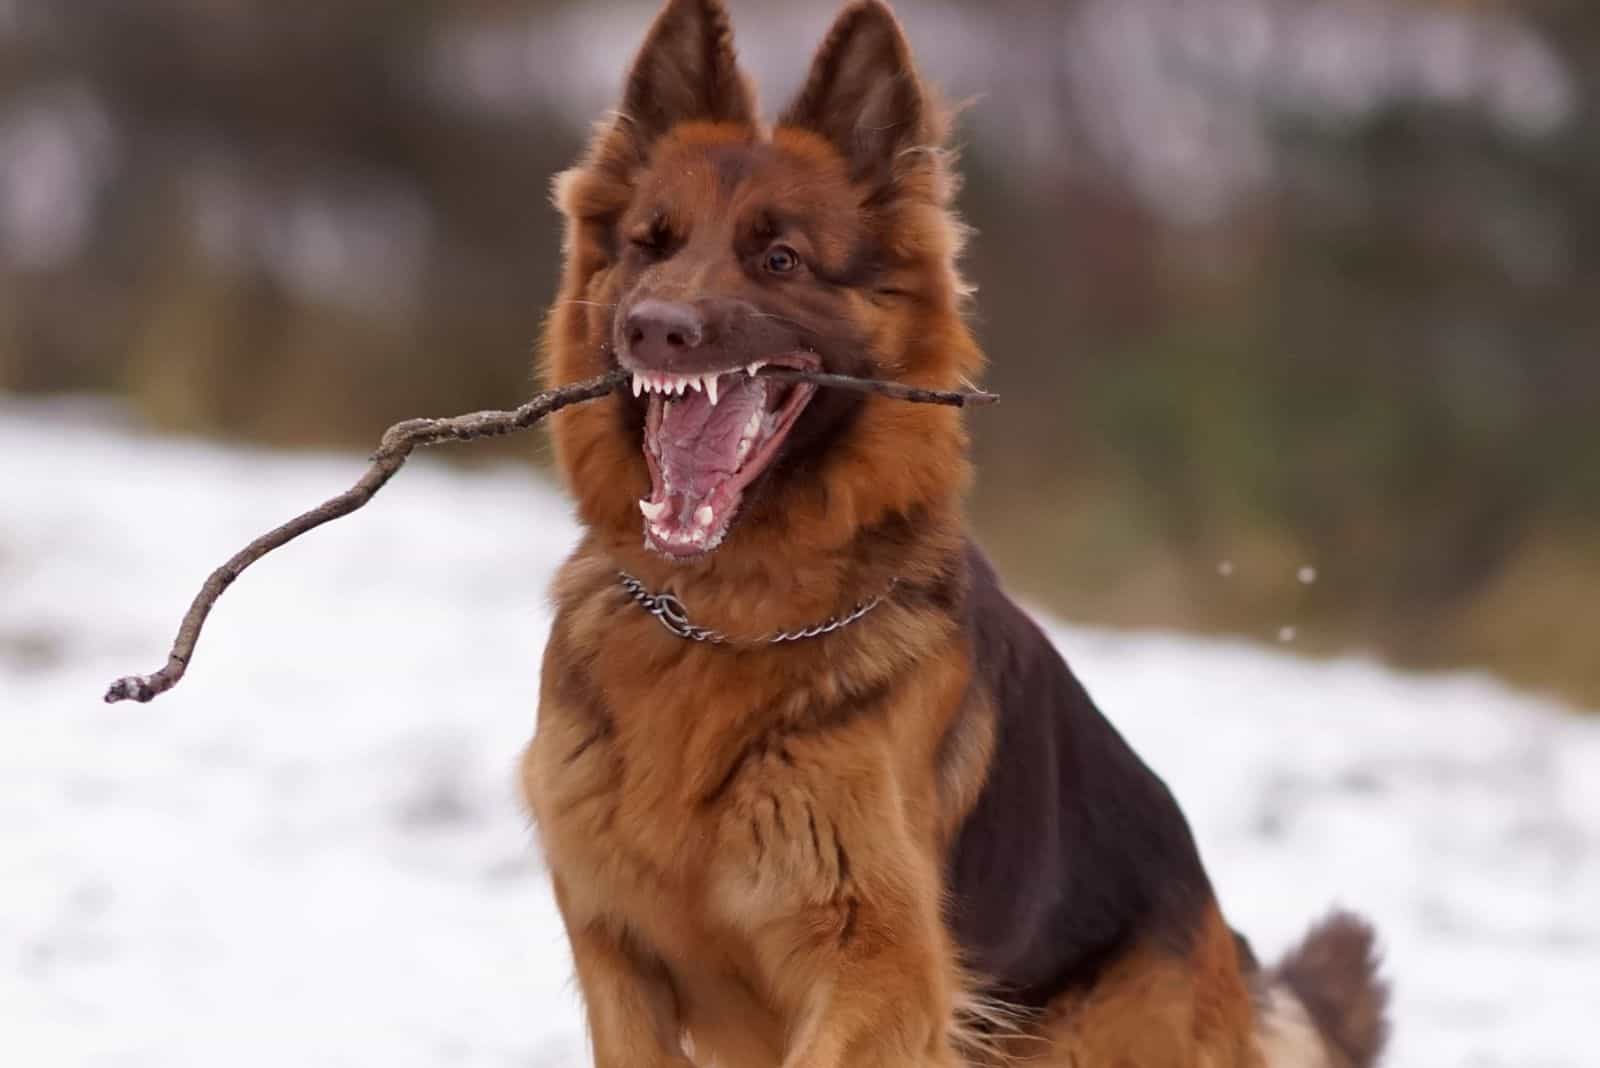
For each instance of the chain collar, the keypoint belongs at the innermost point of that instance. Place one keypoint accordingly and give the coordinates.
(672, 615)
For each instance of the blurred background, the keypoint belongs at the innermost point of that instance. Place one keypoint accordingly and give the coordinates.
(1294, 304)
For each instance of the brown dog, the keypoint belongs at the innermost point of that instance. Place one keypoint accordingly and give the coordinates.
(814, 792)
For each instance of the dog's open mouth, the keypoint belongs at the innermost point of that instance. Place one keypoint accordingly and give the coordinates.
(707, 437)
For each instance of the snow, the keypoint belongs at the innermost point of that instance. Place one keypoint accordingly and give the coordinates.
(312, 853)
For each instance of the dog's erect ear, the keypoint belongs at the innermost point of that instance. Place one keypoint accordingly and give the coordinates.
(863, 94)
(685, 71)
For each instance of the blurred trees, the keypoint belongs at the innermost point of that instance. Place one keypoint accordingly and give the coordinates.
(1266, 284)
(1386, 365)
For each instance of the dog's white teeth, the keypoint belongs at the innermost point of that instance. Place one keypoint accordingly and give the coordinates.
(671, 385)
(652, 510)
(703, 516)
(754, 367)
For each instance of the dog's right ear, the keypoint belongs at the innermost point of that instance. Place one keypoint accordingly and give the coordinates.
(685, 71)
(864, 96)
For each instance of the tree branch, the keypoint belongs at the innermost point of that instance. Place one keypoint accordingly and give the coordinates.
(966, 398)
(399, 441)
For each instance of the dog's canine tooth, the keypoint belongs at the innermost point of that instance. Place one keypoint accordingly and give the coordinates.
(652, 509)
(711, 388)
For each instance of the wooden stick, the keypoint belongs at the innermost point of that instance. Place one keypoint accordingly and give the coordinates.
(396, 447)
(399, 441)
(974, 398)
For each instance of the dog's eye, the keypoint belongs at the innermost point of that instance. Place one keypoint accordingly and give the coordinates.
(781, 259)
(655, 242)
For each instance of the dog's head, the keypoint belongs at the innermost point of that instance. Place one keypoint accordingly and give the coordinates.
(701, 246)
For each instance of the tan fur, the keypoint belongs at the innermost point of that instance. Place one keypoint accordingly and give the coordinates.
(1288, 1036)
(712, 821)
(749, 876)
(1152, 1009)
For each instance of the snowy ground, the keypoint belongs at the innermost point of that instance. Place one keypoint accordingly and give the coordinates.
(311, 852)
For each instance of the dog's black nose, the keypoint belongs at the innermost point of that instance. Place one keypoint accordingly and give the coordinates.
(659, 331)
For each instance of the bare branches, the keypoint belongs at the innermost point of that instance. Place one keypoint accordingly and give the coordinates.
(396, 447)
(399, 441)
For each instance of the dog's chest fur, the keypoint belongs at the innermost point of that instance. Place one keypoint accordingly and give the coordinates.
(700, 799)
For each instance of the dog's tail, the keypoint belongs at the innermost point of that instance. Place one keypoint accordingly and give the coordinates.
(1324, 1005)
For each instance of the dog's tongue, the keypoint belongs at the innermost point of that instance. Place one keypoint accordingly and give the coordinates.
(697, 445)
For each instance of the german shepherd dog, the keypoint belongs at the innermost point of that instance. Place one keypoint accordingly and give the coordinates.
(814, 792)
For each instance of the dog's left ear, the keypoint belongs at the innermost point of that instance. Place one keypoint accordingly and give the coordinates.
(863, 95)
(685, 71)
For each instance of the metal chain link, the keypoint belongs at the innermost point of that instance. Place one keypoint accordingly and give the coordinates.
(669, 611)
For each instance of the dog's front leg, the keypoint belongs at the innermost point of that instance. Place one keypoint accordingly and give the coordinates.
(628, 996)
(844, 914)
(884, 1006)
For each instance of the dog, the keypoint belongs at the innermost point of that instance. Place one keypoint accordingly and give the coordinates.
(813, 791)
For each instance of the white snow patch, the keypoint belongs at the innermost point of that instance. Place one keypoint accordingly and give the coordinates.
(311, 852)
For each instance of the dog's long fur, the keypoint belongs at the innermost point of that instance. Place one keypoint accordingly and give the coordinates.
(911, 842)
